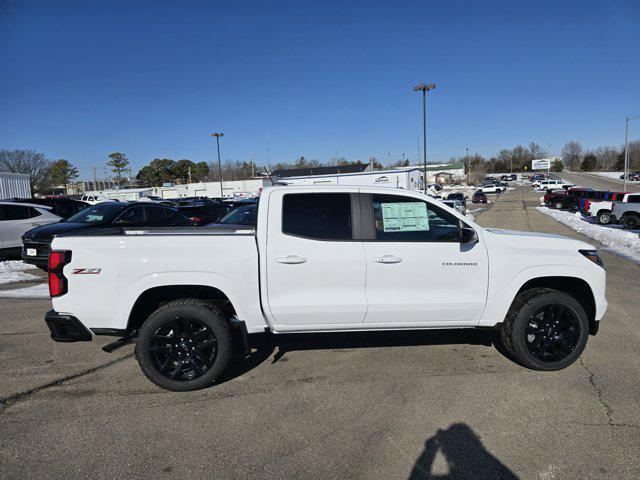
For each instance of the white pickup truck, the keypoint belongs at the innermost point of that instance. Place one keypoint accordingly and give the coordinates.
(323, 259)
(602, 210)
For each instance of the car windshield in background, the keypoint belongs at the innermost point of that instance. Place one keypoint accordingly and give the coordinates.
(101, 213)
(246, 215)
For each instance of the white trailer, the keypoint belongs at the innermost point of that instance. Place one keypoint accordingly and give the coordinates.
(14, 185)
(405, 178)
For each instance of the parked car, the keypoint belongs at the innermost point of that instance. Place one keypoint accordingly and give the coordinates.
(513, 176)
(323, 260)
(602, 209)
(457, 196)
(456, 205)
(37, 241)
(95, 199)
(494, 188)
(627, 213)
(479, 197)
(15, 219)
(245, 215)
(546, 184)
(61, 206)
(203, 212)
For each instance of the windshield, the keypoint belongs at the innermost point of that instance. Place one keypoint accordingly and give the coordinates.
(246, 215)
(101, 213)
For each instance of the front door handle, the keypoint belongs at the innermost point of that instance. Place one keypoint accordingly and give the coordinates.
(291, 259)
(387, 259)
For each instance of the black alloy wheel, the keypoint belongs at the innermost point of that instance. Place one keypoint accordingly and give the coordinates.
(184, 345)
(183, 349)
(552, 332)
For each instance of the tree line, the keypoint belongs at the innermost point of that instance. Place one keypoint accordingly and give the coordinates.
(46, 174)
(573, 157)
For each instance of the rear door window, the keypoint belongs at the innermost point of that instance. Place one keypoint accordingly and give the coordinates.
(318, 216)
(16, 212)
(133, 215)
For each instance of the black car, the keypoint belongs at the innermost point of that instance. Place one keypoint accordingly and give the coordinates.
(36, 243)
(64, 207)
(203, 212)
(457, 196)
(245, 215)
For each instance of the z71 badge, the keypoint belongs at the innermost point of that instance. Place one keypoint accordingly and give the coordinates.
(86, 271)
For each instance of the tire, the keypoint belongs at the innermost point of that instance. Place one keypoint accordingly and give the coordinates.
(556, 341)
(559, 205)
(604, 217)
(202, 350)
(630, 222)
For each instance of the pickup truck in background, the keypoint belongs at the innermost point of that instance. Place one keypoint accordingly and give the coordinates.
(602, 210)
(322, 259)
(627, 213)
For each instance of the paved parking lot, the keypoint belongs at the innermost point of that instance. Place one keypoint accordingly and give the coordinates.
(384, 406)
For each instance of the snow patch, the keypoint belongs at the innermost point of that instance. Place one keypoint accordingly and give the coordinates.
(13, 271)
(625, 243)
(15, 266)
(37, 291)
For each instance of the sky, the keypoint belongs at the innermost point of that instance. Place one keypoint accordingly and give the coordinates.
(281, 80)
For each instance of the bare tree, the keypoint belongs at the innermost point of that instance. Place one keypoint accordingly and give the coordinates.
(571, 154)
(28, 162)
(607, 157)
(536, 150)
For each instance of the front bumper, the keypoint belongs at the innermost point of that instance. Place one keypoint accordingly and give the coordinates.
(65, 328)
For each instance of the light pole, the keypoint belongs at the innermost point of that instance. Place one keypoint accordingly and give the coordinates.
(218, 135)
(626, 149)
(424, 89)
(468, 166)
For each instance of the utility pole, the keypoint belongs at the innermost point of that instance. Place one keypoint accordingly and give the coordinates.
(218, 135)
(626, 149)
(95, 181)
(468, 166)
(424, 89)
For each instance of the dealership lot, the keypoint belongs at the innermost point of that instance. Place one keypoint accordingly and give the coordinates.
(383, 405)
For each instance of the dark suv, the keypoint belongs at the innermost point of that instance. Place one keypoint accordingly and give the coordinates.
(36, 243)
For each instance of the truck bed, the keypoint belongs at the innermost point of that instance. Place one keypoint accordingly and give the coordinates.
(109, 271)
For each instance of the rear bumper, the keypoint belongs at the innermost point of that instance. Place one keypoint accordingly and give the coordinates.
(41, 259)
(65, 328)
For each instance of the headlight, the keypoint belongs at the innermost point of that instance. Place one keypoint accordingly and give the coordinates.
(593, 256)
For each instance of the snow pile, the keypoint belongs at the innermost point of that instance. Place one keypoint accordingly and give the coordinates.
(37, 291)
(625, 243)
(13, 271)
(15, 266)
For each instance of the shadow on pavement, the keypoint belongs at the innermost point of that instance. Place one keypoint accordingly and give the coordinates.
(464, 454)
(264, 345)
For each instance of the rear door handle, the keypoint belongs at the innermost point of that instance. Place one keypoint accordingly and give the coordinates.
(291, 259)
(387, 259)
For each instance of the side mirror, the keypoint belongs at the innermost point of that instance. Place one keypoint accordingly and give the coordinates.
(468, 235)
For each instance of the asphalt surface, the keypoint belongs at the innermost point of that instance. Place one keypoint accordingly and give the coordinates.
(598, 182)
(383, 406)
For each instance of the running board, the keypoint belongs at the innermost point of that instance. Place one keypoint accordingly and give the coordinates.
(121, 342)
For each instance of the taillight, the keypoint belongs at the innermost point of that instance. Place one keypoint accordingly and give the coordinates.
(197, 220)
(57, 281)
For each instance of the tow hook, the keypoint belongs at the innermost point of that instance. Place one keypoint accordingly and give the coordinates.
(121, 342)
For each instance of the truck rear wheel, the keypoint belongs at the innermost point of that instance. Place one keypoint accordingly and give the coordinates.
(604, 217)
(184, 345)
(545, 329)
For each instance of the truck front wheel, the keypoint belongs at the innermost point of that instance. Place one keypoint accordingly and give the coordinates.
(184, 345)
(545, 329)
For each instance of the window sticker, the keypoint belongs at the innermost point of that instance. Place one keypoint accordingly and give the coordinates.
(405, 217)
